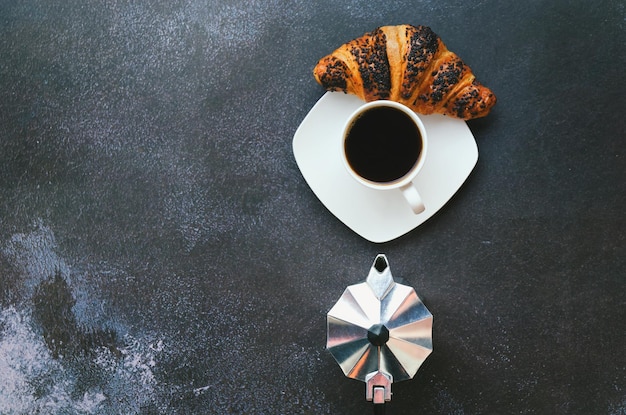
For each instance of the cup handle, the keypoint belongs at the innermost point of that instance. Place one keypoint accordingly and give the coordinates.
(413, 198)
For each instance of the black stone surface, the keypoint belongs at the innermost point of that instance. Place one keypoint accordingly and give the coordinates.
(160, 251)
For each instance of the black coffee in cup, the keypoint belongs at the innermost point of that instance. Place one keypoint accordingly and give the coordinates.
(382, 144)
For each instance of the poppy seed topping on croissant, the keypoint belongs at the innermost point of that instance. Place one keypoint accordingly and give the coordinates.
(407, 64)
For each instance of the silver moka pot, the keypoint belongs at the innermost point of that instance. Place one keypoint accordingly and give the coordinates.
(379, 332)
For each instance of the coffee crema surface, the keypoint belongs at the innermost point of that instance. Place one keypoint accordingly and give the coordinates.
(383, 144)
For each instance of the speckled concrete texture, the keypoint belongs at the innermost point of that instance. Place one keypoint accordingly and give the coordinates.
(160, 252)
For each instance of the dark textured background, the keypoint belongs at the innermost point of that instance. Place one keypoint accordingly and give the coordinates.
(160, 251)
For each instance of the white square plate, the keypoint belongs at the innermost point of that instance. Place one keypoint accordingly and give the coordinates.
(379, 216)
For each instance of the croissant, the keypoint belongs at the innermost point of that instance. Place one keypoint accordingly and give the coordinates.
(407, 64)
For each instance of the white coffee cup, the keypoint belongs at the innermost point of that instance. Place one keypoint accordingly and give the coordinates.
(383, 147)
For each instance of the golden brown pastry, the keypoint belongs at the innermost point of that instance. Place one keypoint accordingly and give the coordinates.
(407, 64)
